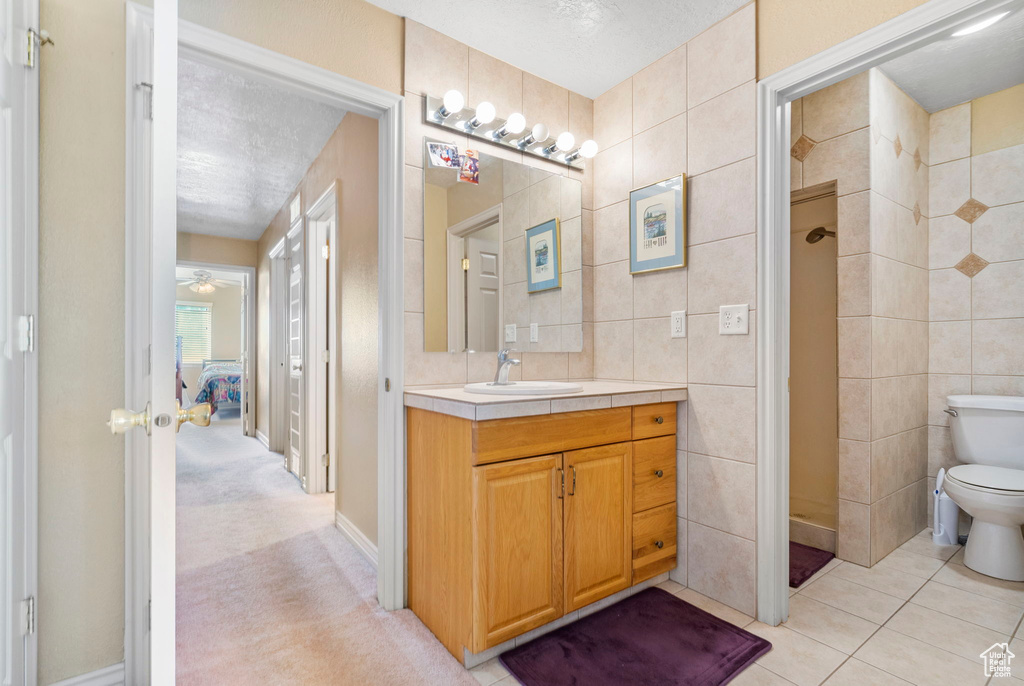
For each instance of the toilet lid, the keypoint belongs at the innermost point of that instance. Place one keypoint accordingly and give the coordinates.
(985, 476)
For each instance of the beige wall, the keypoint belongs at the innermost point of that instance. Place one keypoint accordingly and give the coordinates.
(996, 120)
(435, 257)
(197, 247)
(226, 327)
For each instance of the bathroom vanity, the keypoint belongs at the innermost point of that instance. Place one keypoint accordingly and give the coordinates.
(523, 509)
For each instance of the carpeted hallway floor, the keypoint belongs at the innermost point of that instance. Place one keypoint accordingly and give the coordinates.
(269, 592)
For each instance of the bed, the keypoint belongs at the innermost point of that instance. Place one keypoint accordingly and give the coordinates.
(220, 384)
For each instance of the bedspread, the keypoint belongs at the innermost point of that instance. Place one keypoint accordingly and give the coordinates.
(220, 383)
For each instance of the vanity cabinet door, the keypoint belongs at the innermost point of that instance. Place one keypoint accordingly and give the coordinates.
(598, 523)
(517, 548)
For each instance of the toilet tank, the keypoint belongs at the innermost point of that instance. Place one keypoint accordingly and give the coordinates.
(988, 429)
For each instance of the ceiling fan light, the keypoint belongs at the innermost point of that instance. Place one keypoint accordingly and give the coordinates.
(978, 26)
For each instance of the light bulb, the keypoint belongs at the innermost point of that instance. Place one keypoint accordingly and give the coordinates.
(452, 103)
(565, 141)
(588, 149)
(539, 132)
(485, 113)
(515, 124)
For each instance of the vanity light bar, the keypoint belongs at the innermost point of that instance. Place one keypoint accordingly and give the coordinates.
(451, 113)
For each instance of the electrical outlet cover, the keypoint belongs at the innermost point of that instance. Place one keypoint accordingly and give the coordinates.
(510, 333)
(534, 333)
(733, 320)
(678, 329)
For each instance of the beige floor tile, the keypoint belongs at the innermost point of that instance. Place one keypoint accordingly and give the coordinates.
(829, 625)
(862, 601)
(829, 566)
(490, 672)
(918, 662)
(857, 673)
(910, 563)
(971, 607)
(716, 608)
(958, 557)
(508, 681)
(672, 587)
(889, 581)
(756, 675)
(922, 545)
(802, 660)
(942, 631)
(969, 580)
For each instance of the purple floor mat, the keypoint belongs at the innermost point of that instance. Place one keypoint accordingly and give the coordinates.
(804, 561)
(652, 638)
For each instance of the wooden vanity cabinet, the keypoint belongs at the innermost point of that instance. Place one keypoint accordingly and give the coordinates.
(516, 522)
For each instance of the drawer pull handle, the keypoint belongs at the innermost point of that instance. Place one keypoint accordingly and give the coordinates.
(659, 420)
(658, 473)
(659, 544)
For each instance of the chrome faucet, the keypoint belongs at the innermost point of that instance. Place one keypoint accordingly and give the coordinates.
(504, 364)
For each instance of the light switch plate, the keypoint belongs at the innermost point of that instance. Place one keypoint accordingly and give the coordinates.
(510, 333)
(733, 320)
(534, 333)
(679, 324)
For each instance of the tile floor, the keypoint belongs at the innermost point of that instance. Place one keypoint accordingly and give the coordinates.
(917, 617)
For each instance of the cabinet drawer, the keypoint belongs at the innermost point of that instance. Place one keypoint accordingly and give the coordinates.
(651, 528)
(654, 420)
(654, 472)
(496, 440)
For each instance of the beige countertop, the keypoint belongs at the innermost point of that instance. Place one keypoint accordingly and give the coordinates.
(596, 395)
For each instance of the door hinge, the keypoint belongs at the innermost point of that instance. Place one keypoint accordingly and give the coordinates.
(149, 614)
(149, 359)
(465, 264)
(26, 333)
(28, 616)
(147, 99)
(325, 250)
(35, 40)
(325, 459)
(387, 385)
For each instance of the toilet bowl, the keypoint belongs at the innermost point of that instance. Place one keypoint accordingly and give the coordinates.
(988, 436)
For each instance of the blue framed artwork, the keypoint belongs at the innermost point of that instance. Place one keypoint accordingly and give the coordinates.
(657, 226)
(544, 257)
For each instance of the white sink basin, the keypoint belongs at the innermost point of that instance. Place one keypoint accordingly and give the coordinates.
(525, 388)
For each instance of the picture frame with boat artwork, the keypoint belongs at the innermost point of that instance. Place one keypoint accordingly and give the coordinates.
(544, 256)
(657, 226)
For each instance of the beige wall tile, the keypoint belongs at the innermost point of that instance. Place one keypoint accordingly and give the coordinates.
(998, 385)
(613, 350)
(722, 57)
(940, 449)
(571, 299)
(416, 131)
(571, 200)
(949, 348)
(884, 167)
(998, 290)
(796, 174)
(950, 134)
(657, 356)
(884, 347)
(613, 115)
(939, 387)
(679, 573)
(996, 177)
(844, 159)
(587, 238)
(722, 567)
(434, 62)
(884, 114)
(611, 233)
(581, 364)
(884, 238)
(572, 244)
(998, 235)
(996, 346)
(423, 368)
(659, 153)
(854, 533)
(545, 102)
(717, 359)
(659, 90)
(854, 335)
(949, 295)
(885, 398)
(613, 292)
(854, 470)
(950, 186)
(913, 402)
(545, 199)
(720, 494)
(546, 307)
(515, 214)
(886, 287)
(659, 294)
(413, 210)
(721, 130)
(913, 350)
(711, 286)
(514, 261)
(721, 421)
(613, 174)
(855, 409)
(554, 365)
(896, 518)
(949, 241)
(913, 235)
(837, 109)
(494, 81)
(854, 232)
(413, 275)
(722, 203)
(581, 116)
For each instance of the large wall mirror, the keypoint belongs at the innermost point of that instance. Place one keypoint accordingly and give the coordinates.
(501, 251)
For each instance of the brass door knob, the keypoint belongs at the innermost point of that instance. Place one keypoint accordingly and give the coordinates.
(121, 420)
(658, 473)
(659, 420)
(659, 544)
(197, 414)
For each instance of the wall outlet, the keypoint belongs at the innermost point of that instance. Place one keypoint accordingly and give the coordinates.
(679, 324)
(534, 333)
(733, 320)
(510, 333)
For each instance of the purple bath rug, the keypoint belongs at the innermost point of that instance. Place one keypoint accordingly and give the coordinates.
(804, 561)
(652, 638)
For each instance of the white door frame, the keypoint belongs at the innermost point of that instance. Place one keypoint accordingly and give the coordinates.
(321, 335)
(276, 439)
(248, 349)
(903, 34)
(389, 109)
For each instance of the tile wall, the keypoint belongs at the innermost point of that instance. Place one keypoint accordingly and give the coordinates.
(693, 112)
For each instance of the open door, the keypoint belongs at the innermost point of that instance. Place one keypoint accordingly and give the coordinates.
(19, 170)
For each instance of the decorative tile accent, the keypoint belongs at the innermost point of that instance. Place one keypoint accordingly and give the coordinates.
(917, 213)
(802, 148)
(917, 159)
(971, 265)
(897, 146)
(971, 210)
(876, 132)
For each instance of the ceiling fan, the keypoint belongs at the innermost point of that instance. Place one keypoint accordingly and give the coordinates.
(203, 281)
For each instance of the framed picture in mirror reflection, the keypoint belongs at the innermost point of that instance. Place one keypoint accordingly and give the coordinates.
(543, 256)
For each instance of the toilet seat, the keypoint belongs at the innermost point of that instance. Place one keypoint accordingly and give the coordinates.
(987, 478)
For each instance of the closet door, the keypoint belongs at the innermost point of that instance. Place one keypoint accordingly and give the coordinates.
(598, 519)
(296, 340)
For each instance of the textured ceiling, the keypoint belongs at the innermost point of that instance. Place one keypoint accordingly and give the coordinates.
(243, 147)
(587, 46)
(955, 70)
(184, 273)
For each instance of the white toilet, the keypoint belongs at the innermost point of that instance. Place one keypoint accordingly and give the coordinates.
(988, 435)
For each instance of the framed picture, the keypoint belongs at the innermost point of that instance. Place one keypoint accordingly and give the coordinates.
(544, 257)
(657, 226)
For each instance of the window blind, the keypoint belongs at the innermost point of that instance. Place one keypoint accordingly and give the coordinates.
(193, 322)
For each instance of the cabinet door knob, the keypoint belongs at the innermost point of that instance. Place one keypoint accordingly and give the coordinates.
(659, 420)
(659, 544)
(658, 473)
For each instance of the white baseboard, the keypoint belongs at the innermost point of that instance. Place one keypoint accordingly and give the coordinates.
(356, 538)
(108, 676)
(262, 438)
